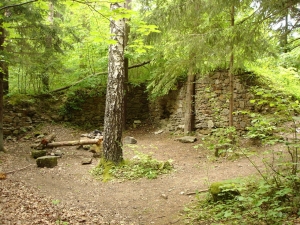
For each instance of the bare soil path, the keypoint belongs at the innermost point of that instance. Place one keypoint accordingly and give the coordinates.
(68, 192)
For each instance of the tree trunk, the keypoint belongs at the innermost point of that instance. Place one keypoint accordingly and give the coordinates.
(45, 77)
(4, 66)
(189, 103)
(113, 121)
(231, 76)
(126, 66)
(2, 38)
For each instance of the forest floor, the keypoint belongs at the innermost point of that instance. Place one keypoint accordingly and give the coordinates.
(69, 194)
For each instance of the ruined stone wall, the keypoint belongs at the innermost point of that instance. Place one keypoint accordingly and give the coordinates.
(17, 120)
(211, 103)
(90, 112)
(211, 107)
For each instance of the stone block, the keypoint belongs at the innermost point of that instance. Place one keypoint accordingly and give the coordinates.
(38, 153)
(47, 161)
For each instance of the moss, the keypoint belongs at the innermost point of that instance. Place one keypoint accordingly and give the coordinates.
(106, 167)
(47, 161)
(224, 190)
(38, 153)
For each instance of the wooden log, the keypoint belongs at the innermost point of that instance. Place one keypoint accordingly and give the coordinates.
(74, 143)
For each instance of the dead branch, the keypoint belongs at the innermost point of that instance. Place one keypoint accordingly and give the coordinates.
(73, 143)
(196, 192)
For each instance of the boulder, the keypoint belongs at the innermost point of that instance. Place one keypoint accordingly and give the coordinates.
(38, 153)
(47, 161)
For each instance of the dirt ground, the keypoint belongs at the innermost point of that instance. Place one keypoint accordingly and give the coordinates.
(68, 194)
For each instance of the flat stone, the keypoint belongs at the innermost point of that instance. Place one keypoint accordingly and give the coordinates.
(187, 139)
(86, 161)
(158, 132)
(38, 153)
(47, 161)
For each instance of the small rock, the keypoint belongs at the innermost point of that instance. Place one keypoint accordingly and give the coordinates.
(9, 138)
(40, 136)
(97, 155)
(130, 140)
(158, 132)
(86, 161)
(86, 147)
(58, 153)
(164, 196)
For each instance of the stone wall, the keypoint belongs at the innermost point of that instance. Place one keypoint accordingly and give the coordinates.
(211, 107)
(211, 103)
(90, 112)
(17, 120)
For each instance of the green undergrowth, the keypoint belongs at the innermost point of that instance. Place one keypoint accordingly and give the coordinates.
(141, 165)
(260, 202)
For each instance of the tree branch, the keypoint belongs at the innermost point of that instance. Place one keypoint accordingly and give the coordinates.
(95, 74)
(16, 5)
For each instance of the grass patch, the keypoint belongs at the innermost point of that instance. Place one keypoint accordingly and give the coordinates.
(141, 165)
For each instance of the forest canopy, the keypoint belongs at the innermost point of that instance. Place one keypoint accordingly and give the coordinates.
(53, 44)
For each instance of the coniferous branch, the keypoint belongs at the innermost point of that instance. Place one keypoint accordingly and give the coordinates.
(16, 5)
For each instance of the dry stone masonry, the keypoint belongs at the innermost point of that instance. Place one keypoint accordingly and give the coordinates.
(211, 107)
(211, 104)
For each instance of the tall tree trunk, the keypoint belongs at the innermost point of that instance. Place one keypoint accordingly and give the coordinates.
(126, 66)
(189, 103)
(231, 76)
(113, 121)
(4, 65)
(48, 49)
(2, 72)
(5, 78)
(284, 36)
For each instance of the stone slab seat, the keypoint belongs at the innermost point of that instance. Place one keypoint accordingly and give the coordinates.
(47, 161)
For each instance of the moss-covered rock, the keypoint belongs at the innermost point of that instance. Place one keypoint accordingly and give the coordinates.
(47, 161)
(38, 153)
(224, 190)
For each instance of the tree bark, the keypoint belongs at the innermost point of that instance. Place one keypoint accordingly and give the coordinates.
(231, 76)
(113, 121)
(2, 39)
(45, 77)
(189, 103)
(126, 67)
